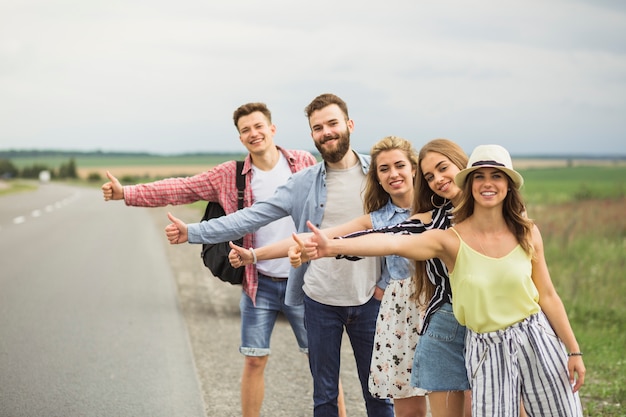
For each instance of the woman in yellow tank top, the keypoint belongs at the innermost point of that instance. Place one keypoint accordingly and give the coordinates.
(520, 344)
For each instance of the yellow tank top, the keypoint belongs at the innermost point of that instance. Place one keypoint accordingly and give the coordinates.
(491, 294)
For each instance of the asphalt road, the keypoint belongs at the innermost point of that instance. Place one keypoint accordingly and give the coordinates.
(89, 319)
(100, 316)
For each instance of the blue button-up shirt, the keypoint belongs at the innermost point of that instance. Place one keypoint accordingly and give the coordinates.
(303, 197)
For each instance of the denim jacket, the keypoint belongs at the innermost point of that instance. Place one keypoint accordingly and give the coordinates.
(394, 266)
(303, 197)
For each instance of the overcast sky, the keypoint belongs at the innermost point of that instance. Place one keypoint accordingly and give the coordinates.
(537, 76)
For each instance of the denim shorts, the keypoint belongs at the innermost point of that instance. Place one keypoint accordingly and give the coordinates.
(257, 322)
(439, 363)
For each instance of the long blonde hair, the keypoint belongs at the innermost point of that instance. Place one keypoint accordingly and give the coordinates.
(374, 196)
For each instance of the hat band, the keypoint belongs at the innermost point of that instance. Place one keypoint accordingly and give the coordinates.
(479, 163)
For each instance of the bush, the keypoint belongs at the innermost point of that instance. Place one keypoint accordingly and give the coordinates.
(32, 172)
(68, 170)
(94, 177)
(7, 169)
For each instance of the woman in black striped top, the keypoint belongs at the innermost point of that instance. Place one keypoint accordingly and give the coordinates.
(438, 364)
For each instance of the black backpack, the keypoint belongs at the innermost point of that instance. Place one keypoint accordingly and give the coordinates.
(215, 256)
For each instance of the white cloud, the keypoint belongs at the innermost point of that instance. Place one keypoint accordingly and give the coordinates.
(538, 76)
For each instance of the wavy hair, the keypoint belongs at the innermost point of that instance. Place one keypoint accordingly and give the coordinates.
(249, 108)
(423, 198)
(513, 210)
(374, 196)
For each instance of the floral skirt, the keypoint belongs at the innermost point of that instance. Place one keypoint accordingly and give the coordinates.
(394, 343)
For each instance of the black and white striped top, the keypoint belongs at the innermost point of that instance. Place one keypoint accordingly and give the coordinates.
(435, 269)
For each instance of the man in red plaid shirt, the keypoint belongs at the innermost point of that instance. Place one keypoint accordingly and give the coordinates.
(266, 167)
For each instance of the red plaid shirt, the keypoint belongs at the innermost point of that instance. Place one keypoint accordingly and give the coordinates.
(217, 184)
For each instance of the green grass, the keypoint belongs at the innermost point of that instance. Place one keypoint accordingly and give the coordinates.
(585, 247)
(560, 185)
(17, 186)
(581, 214)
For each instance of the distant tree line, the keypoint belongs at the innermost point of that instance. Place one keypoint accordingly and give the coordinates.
(37, 153)
(28, 153)
(65, 171)
(25, 153)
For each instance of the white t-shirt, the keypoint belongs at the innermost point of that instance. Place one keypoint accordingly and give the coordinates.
(263, 184)
(340, 282)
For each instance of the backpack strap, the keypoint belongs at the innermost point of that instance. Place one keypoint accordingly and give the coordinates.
(241, 185)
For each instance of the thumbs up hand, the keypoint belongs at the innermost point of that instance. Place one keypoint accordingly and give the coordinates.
(176, 231)
(112, 190)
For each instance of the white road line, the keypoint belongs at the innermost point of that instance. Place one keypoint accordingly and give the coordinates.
(48, 209)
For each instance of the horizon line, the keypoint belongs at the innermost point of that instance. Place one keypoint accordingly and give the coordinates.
(314, 152)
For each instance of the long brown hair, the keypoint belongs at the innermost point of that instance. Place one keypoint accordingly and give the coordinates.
(513, 210)
(423, 198)
(375, 196)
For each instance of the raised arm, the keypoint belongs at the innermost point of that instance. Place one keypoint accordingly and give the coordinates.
(363, 222)
(239, 256)
(430, 244)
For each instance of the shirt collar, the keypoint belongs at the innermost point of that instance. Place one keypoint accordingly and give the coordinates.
(390, 209)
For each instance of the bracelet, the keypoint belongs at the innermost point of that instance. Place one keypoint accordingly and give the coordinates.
(575, 354)
(253, 255)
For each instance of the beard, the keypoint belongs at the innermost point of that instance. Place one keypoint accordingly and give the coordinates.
(340, 149)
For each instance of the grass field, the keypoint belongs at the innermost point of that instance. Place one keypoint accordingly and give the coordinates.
(581, 212)
(585, 246)
(160, 166)
(560, 185)
(102, 161)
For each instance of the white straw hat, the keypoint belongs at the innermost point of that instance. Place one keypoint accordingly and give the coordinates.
(489, 156)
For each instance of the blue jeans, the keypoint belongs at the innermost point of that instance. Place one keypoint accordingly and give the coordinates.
(257, 322)
(324, 326)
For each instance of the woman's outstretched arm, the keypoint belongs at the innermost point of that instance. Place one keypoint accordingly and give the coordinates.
(430, 244)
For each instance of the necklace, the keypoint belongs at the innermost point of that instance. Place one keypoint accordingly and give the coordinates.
(482, 249)
(484, 252)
